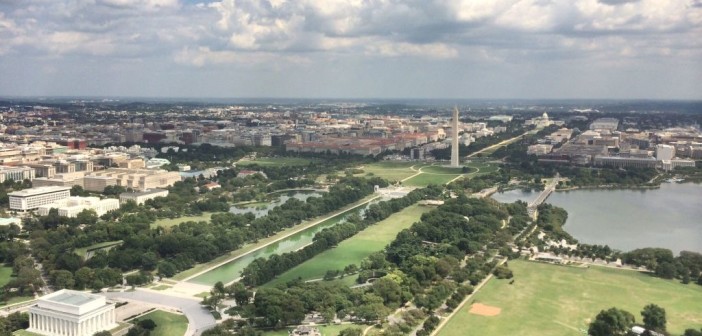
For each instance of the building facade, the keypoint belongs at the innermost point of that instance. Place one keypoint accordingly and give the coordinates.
(665, 152)
(140, 179)
(71, 313)
(16, 173)
(141, 197)
(72, 206)
(33, 198)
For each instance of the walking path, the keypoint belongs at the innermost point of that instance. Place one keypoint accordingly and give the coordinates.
(477, 288)
(499, 144)
(199, 319)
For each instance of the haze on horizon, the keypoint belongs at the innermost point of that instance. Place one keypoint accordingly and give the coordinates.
(525, 49)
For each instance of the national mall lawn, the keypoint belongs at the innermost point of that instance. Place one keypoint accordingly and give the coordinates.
(552, 300)
(356, 248)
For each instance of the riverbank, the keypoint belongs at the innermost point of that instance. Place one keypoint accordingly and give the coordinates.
(200, 269)
(625, 219)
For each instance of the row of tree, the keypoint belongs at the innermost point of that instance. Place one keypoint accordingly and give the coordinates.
(263, 270)
(423, 264)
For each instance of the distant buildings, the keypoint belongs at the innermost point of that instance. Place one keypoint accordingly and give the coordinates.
(539, 149)
(16, 173)
(142, 196)
(33, 198)
(609, 124)
(543, 121)
(139, 179)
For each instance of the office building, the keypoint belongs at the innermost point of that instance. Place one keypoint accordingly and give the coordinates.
(72, 206)
(140, 179)
(33, 198)
(16, 173)
(665, 152)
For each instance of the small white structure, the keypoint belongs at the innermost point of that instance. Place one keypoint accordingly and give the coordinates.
(72, 206)
(9, 221)
(32, 198)
(157, 162)
(69, 312)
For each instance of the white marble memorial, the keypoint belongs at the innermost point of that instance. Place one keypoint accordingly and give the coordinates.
(71, 313)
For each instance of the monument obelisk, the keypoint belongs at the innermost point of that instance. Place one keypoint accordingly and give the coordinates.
(454, 139)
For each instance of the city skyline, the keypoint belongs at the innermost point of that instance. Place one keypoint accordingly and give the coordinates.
(589, 49)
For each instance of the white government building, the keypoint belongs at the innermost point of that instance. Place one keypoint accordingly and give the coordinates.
(71, 313)
(33, 198)
(72, 206)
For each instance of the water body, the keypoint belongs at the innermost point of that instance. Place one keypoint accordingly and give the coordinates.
(232, 270)
(669, 217)
(277, 199)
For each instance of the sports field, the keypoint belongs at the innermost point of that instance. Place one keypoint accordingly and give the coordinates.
(550, 300)
(356, 248)
(277, 161)
(167, 324)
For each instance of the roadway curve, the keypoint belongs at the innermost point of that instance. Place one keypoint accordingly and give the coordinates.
(199, 319)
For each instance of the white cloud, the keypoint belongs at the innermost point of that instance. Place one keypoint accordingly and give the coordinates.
(470, 33)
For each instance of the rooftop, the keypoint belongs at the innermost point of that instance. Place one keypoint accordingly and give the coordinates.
(142, 193)
(38, 191)
(73, 298)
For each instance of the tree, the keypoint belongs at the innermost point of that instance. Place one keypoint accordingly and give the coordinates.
(77, 190)
(167, 269)
(351, 332)
(103, 333)
(147, 324)
(692, 332)
(611, 322)
(62, 279)
(666, 270)
(654, 317)
(240, 293)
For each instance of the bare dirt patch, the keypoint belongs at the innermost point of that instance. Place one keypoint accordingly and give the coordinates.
(484, 310)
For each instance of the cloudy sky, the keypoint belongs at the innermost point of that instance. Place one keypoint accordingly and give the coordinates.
(352, 48)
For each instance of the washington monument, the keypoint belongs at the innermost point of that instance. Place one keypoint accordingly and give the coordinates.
(455, 161)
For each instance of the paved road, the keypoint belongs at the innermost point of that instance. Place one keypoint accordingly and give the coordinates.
(199, 319)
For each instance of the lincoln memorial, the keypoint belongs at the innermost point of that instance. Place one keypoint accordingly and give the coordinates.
(71, 313)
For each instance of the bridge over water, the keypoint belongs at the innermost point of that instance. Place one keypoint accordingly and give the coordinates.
(550, 187)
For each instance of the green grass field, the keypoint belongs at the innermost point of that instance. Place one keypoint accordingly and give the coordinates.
(167, 324)
(325, 330)
(168, 222)
(550, 300)
(424, 180)
(5, 274)
(391, 170)
(356, 248)
(278, 161)
(444, 170)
